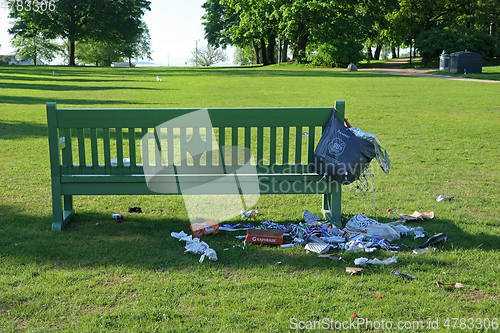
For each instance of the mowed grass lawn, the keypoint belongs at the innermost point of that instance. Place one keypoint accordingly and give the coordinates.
(443, 137)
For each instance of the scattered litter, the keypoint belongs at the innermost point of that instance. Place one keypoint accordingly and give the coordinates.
(424, 250)
(454, 285)
(441, 237)
(210, 254)
(358, 246)
(305, 133)
(54, 74)
(205, 228)
(415, 232)
(226, 249)
(333, 257)
(379, 297)
(443, 198)
(319, 247)
(265, 236)
(98, 224)
(249, 213)
(310, 217)
(235, 227)
(417, 216)
(362, 224)
(353, 270)
(354, 315)
(364, 261)
(194, 245)
(178, 235)
(135, 209)
(403, 274)
(158, 79)
(241, 236)
(117, 216)
(279, 262)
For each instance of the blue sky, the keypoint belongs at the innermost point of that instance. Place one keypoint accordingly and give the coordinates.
(174, 26)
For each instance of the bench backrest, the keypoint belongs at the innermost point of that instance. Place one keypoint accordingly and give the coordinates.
(96, 141)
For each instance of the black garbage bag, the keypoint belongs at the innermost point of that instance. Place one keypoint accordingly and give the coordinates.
(340, 154)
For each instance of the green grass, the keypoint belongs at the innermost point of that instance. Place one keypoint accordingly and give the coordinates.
(133, 277)
(489, 73)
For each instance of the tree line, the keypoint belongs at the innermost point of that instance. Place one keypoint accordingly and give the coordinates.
(338, 32)
(94, 31)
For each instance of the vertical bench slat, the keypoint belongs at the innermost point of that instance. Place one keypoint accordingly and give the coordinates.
(272, 146)
(158, 148)
(260, 145)
(170, 146)
(119, 147)
(222, 143)
(310, 148)
(183, 147)
(234, 144)
(197, 135)
(145, 148)
(298, 144)
(286, 144)
(107, 149)
(209, 156)
(93, 149)
(81, 149)
(247, 144)
(67, 152)
(131, 146)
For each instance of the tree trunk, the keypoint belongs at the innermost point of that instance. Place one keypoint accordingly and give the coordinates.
(265, 62)
(71, 52)
(377, 52)
(300, 43)
(370, 54)
(284, 51)
(129, 62)
(394, 54)
(271, 43)
(255, 52)
(492, 29)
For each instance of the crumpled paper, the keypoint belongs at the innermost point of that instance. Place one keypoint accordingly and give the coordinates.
(365, 261)
(417, 216)
(194, 245)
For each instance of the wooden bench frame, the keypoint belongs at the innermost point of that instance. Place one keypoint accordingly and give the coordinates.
(95, 137)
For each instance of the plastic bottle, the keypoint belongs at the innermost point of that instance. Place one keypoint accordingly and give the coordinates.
(435, 239)
(424, 250)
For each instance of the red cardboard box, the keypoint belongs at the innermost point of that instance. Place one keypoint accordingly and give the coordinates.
(205, 228)
(270, 236)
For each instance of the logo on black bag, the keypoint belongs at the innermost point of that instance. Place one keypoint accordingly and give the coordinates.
(336, 147)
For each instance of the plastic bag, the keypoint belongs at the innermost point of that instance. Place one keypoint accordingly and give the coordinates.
(371, 228)
(381, 155)
(340, 154)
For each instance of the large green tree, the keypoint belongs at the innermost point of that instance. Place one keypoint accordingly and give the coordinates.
(80, 20)
(36, 48)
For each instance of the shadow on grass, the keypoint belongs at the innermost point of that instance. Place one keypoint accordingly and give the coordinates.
(67, 101)
(13, 129)
(144, 241)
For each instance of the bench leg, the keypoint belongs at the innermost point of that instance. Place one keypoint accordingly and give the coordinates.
(332, 207)
(60, 217)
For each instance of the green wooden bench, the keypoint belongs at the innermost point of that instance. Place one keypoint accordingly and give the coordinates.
(98, 152)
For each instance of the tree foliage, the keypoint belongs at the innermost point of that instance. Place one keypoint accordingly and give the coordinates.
(82, 20)
(36, 48)
(330, 32)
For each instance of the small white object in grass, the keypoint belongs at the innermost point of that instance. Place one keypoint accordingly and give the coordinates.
(158, 79)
